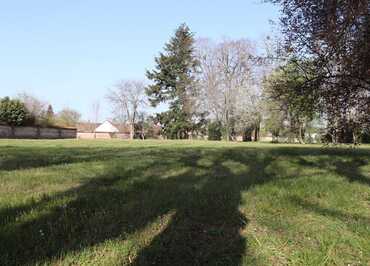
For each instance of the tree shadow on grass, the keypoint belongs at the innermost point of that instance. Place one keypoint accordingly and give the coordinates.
(354, 221)
(345, 166)
(328, 212)
(351, 170)
(18, 158)
(204, 229)
(199, 189)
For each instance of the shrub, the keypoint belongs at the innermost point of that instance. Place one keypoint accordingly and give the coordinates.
(13, 112)
(214, 131)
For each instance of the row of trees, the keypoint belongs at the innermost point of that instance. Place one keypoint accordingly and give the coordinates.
(26, 110)
(313, 83)
(207, 84)
(314, 86)
(202, 84)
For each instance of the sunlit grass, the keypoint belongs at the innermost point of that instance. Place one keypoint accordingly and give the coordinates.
(183, 203)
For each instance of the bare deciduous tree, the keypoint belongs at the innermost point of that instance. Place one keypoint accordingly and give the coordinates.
(95, 111)
(127, 98)
(226, 78)
(68, 118)
(209, 81)
(95, 115)
(36, 107)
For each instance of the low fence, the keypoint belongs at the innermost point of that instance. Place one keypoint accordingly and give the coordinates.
(7, 132)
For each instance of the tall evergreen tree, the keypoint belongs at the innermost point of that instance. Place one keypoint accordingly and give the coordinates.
(174, 83)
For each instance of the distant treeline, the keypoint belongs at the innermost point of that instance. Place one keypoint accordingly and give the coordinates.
(26, 110)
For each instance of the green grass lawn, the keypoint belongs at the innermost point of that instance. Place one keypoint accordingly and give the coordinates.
(70, 202)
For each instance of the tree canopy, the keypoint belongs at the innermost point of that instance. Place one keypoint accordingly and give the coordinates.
(285, 87)
(335, 37)
(13, 112)
(174, 83)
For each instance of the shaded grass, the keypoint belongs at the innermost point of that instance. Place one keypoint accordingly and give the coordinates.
(183, 203)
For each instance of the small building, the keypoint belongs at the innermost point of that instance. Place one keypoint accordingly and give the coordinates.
(109, 130)
(106, 131)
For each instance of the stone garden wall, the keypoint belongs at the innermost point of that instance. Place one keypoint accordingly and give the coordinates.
(8, 132)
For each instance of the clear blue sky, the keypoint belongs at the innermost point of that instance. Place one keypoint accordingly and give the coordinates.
(69, 52)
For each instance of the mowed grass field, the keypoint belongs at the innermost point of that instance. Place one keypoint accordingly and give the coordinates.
(70, 202)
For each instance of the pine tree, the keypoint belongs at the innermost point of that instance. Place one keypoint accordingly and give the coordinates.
(173, 83)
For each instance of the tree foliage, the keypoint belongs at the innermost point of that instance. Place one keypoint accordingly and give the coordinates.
(35, 107)
(174, 83)
(335, 36)
(13, 112)
(40, 112)
(296, 105)
(68, 118)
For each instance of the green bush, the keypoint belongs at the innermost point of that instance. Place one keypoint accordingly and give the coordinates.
(214, 131)
(13, 112)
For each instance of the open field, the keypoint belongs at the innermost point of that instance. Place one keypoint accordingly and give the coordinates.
(70, 202)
